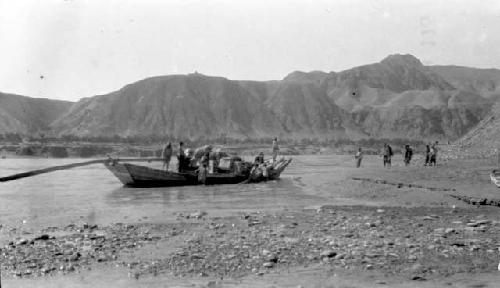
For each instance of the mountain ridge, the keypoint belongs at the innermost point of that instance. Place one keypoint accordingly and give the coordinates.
(26, 115)
(398, 97)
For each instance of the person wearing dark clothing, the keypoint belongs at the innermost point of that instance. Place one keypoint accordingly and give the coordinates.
(387, 155)
(182, 157)
(204, 159)
(427, 155)
(433, 156)
(166, 155)
(408, 154)
(390, 156)
(259, 159)
(358, 157)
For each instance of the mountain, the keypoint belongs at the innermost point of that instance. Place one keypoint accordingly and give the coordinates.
(486, 134)
(397, 97)
(25, 115)
(485, 82)
(195, 105)
(180, 105)
(380, 84)
(400, 97)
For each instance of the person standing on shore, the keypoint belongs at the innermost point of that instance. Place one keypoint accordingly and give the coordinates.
(276, 149)
(427, 155)
(434, 152)
(167, 155)
(387, 155)
(408, 154)
(358, 157)
(389, 159)
(384, 151)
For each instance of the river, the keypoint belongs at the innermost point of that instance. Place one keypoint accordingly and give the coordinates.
(92, 194)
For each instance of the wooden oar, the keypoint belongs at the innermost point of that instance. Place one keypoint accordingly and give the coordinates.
(69, 166)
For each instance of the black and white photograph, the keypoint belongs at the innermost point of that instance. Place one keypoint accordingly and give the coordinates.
(250, 143)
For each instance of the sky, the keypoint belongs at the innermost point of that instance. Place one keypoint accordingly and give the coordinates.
(69, 49)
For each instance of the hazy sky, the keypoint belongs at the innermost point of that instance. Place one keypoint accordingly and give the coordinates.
(75, 48)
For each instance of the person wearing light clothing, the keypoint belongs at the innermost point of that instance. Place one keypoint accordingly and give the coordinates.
(358, 157)
(276, 149)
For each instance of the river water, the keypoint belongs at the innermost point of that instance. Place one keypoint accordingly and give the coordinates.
(92, 194)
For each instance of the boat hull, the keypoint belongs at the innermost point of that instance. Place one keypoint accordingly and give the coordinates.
(141, 176)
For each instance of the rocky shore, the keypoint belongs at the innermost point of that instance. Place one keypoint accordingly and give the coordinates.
(419, 243)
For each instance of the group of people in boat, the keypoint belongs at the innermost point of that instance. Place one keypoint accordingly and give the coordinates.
(207, 160)
(206, 157)
(431, 151)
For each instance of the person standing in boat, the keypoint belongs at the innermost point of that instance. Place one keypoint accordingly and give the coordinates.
(259, 159)
(167, 155)
(212, 161)
(358, 157)
(203, 168)
(181, 157)
(276, 149)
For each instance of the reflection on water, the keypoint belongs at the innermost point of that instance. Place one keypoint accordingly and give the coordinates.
(216, 193)
(93, 194)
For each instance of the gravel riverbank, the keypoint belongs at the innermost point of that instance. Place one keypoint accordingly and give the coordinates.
(418, 243)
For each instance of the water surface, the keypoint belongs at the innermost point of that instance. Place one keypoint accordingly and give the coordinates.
(92, 194)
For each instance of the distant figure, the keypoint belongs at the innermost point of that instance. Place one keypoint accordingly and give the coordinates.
(190, 159)
(205, 160)
(387, 155)
(166, 155)
(212, 162)
(434, 152)
(276, 149)
(203, 168)
(427, 155)
(408, 154)
(265, 171)
(358, 157)
(259, 159)
(181, 157)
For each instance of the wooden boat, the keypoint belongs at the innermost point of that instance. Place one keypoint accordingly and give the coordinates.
(142, 176)
(495, 177)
